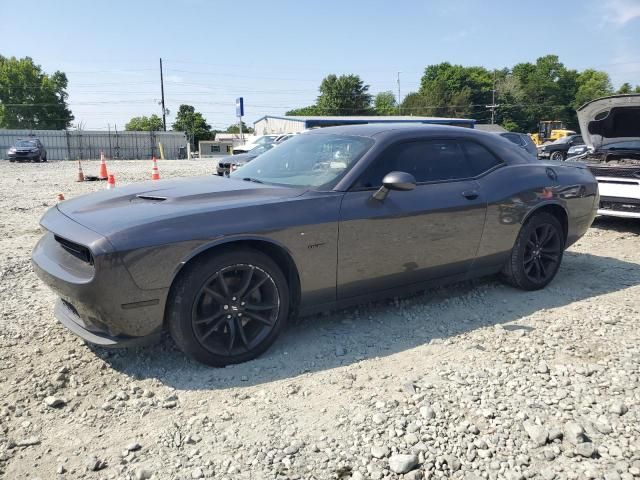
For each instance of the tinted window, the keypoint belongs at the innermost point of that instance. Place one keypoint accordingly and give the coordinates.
(479, 157)
(427, 161)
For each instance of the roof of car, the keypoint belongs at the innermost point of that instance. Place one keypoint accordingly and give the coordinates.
(371, 129)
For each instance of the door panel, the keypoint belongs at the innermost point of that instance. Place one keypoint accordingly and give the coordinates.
(426, 233)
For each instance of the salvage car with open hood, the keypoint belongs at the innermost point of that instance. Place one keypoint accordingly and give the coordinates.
(611, 130)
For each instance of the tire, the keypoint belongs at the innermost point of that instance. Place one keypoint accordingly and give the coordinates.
(219, 328)
(533, 264)
(12, 160)
(557, 156)
(44, 159)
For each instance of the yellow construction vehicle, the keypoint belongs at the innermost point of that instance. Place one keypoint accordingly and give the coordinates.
(550, 131)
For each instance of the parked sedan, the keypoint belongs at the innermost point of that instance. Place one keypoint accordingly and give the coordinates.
(229, 164)
(30, 150)
(577, 150)
(334, 217)
(559, 149)
(261, 140)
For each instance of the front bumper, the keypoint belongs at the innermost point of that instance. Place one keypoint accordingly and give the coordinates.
(619, 196)
(619, 207)
(67, 315)
(23, 156)
(100, 302)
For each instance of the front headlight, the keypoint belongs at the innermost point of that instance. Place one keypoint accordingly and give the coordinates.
(11, 150)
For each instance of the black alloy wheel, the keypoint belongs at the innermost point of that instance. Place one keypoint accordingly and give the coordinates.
(537, 254)
(542, 252)
(235, 310)
(228, 307)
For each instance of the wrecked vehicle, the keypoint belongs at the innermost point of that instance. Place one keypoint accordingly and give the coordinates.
(611, 130)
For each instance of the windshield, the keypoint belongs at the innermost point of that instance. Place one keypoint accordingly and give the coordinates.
(627, 145)
(306, 161)
(260, 149)
(25, 143)
(264, 139)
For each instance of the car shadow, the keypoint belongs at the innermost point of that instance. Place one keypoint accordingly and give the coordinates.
(380, 329)
(629, 225)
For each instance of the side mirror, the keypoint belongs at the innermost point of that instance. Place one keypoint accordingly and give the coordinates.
(401, 181)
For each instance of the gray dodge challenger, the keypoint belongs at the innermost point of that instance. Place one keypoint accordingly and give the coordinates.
(330, 218)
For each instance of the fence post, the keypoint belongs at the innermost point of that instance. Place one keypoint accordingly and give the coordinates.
(66, 134)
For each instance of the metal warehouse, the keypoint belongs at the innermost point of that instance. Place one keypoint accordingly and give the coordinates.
(272, 124)
(85, 144)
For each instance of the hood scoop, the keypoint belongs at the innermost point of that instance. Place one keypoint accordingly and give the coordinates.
(149, 198)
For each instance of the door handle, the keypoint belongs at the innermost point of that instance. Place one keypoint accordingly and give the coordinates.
(470, 194)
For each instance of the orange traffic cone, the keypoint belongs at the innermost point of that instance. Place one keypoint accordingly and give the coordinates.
(80, 173)
(155, 173)
(61, 196)
(103, 175)
(112, 182)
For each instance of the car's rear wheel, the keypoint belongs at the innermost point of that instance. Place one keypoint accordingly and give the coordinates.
(228, 307)
(558, 156)
(537, 253)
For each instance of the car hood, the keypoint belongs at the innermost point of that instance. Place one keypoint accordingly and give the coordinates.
(110, 211)
(609, 120)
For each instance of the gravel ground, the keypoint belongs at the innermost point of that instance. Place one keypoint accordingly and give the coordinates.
(472, 381)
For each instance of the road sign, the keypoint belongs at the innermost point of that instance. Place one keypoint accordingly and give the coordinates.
(239, 107)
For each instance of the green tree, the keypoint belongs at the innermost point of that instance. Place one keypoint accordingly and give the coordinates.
(193, 123)
(29, 98)
(547, 92)
(235, 129)
(152, 123)
(385, 103)
(591, 84)
(309, 111)
(625, 88)
(455, 91)
(413, 104)
(343, 95)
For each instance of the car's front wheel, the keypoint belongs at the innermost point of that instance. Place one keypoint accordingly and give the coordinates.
(558, 156)
(537, 253)
(228, 307)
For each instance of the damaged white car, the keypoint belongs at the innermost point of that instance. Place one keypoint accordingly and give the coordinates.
(611, 130)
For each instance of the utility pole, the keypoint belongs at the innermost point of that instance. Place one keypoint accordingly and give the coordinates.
(164, 111)
(493, 105)
(399, 108)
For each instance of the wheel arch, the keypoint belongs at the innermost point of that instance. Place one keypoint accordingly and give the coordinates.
(274, 250)
(555, 209)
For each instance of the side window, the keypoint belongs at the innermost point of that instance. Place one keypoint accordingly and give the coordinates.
(479, 157)
(427, 161)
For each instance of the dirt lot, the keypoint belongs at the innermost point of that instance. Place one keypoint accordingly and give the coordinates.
(472, 381)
